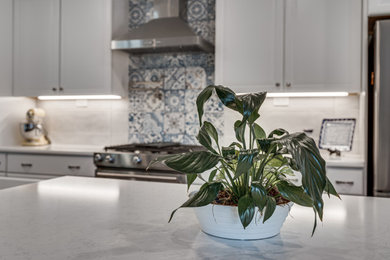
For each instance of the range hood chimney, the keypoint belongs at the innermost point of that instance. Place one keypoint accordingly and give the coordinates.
(167, 31)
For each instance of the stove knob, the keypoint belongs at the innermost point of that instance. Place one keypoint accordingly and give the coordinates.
(98, 157)
(109, 159)
(137, 159)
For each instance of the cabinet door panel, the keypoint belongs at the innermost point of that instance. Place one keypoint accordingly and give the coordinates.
(323, 45)
(347, 180)
(36, 51)
(6, 10)
(51, 165)
(249, 44)
(85, 46)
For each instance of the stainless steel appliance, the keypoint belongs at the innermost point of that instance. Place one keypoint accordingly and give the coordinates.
(167, 31)
(379, 110)
(131, 160)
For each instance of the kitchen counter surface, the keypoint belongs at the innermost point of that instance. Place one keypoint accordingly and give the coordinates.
(85, 218)
(82, 150)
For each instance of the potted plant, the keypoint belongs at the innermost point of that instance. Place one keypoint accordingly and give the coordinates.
(248, 193)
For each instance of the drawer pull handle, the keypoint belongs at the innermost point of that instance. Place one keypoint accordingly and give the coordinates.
(345, 182)
(26, 164)
(74, 167)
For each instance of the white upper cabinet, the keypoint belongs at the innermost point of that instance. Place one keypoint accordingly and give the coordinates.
(62, 47)
(293, 45)
(6, 47)
(323, 45)
(36, 51)
(378, 7)
(85, 49)
(249, 44)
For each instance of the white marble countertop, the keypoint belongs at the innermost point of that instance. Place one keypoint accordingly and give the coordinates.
(91, 218)
(82, 150)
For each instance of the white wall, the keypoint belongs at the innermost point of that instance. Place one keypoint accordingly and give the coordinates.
(92, 122)
(12, 113)
(303, 113)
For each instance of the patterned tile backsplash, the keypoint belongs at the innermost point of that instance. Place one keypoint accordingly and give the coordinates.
(164, 87)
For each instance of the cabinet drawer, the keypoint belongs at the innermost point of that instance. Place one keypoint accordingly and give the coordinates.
(347, 180)
(2, 162)
(51, 164)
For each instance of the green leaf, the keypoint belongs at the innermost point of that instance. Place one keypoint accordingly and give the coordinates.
(202, 98)
(204, 137)
(259, 195)
(258, 131)
(239, 128)
(228, 152)
(228, 98)
(278, 132)
(245, 161)
(212, 175)
(193, 162)
(329, 188)
(251, 104)
(207, 194)
(190, 179)
(265, 144)
(236, 144)
(246, 210)
(269, 208)
(210, 129)
(294, 194)
(311, 165)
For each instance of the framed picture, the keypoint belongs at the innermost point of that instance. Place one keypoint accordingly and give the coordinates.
(337, 134)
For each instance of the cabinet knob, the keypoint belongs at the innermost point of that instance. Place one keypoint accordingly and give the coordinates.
(54, 89)
(288, 84)
(277, 84)
(61, 89)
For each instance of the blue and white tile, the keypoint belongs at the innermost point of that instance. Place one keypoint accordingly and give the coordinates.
(211, 10)
(191, 131)
(137, 15)
(196, 60)
(175, 78)
(192, 117)
(174, 100)
(174, 123)
(195, 78)
(190, 100)
(146, 100)
(204, 29)
(135, 122)
(214, 104)
(175, 138)
(176, 60)
(217, 120)
(147, 75)
(197, 10)
(189, 139)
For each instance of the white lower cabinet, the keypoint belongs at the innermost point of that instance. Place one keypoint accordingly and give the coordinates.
(346, 180)
(51, 164)
(20, 169)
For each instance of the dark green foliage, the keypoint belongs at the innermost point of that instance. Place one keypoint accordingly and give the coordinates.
(253, 171)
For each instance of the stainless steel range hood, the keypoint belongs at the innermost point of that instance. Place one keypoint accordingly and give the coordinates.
(167, 31)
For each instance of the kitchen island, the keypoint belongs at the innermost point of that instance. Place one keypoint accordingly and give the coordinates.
(90, 218)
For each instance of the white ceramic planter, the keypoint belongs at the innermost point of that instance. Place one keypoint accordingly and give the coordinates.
(223, 221)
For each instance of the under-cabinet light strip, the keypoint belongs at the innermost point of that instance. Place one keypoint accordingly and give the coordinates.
(79, 97)
(308, 94)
